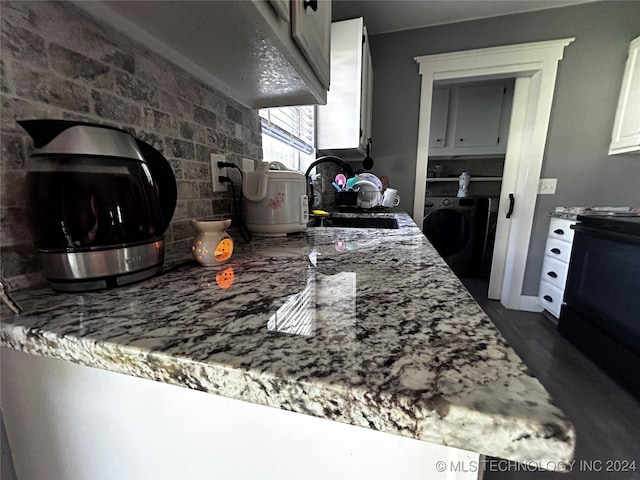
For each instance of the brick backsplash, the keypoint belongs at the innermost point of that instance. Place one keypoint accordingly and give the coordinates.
(58, 62)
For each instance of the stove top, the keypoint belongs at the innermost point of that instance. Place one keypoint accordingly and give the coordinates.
(613, 222)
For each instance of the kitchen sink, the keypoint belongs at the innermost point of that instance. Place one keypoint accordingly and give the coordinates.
(355, 222)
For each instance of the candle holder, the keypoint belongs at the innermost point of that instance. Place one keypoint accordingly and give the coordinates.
(212, 245)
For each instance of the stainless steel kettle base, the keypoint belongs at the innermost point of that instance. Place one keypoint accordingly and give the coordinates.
(105, 282)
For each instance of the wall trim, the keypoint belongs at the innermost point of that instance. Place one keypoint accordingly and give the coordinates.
(534, 65)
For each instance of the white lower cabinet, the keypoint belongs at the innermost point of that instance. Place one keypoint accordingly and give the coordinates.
(555, 265)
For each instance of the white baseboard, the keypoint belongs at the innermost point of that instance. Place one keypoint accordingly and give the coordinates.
(525, 303)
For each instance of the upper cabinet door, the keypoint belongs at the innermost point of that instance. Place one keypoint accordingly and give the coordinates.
(366, 107)
(343, 125)
(470, 119)
(626, 127)
(311, 29)
(477, 117)
(439, 116)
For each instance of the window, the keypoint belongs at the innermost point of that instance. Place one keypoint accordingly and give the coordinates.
(288, 136)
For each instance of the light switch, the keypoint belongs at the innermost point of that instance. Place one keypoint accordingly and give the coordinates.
(547, 186)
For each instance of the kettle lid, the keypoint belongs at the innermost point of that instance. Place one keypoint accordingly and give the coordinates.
(67, 137)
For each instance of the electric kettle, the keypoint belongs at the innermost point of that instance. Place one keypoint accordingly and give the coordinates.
(100, 201)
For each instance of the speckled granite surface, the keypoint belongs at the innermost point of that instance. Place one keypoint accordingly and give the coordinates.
(365, 327)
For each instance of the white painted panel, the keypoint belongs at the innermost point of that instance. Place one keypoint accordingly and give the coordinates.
(311, 29)
(338, 122)
(70, 421)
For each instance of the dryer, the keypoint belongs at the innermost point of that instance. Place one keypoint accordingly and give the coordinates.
(454, 227)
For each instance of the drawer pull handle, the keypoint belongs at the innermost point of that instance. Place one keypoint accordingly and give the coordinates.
(558, 231)
(556, 251)
(552, 274)
(548, 298)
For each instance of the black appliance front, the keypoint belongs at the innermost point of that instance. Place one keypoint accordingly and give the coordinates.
(454, 227)
(601, 315)
(100, 202)
(489, 236)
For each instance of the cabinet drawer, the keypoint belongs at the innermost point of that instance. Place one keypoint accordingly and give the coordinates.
(550, 298)
(554, 272)
(558, 249)
(561, 229)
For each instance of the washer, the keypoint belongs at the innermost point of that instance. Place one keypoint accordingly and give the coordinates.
(454, 227)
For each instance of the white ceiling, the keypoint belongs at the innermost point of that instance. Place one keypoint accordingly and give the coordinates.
(383, 16)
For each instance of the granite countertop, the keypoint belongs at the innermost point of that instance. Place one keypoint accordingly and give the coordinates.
(361, 326)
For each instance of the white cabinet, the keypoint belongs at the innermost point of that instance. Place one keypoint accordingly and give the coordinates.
(470, 119)
(344, 123)
(260, 53)
(626, 127)
(556, 265)
(439, 117)
(311, 29)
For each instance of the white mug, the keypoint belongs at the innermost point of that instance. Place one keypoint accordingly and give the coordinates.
(390, 198)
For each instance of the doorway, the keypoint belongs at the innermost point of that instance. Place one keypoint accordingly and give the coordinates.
(534, 66)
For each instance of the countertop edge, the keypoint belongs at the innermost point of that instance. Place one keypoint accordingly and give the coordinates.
(344, 406)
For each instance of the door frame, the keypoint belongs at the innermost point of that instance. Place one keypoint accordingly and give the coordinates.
(534, 66)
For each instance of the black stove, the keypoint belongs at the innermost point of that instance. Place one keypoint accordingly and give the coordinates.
(601, 315)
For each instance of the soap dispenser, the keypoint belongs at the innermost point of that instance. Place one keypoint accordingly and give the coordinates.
(463, 185)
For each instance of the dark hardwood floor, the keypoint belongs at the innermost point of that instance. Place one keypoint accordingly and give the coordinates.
(605, 416)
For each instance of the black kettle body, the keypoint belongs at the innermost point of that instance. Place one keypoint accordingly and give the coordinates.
(100, 201)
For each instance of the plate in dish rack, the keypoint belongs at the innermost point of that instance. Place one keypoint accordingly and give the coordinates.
(369, 194)
(370, 177)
